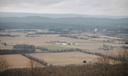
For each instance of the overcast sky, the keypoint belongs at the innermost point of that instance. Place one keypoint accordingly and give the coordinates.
(86, 7)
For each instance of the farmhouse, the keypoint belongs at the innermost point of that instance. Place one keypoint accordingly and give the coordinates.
(63, 43)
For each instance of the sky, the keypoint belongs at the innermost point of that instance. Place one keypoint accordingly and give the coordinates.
(84, 7)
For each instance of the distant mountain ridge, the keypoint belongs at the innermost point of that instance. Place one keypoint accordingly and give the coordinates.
(62, 21)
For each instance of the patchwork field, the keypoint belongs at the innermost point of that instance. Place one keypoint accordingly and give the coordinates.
(67, 58)
(18, 61)
(56, 42)
(91, 44)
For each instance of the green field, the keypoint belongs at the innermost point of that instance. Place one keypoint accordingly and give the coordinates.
(57, 47)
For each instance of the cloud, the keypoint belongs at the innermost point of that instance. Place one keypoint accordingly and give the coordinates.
(29, 1)
(87, 7)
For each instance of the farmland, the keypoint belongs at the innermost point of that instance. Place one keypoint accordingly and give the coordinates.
(59, 51)
(56, 42)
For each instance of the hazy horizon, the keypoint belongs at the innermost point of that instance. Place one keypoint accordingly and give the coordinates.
(56, 15)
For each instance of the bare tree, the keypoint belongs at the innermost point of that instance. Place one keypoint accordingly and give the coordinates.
(3, 64)
(32, 67)
(103, 60)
